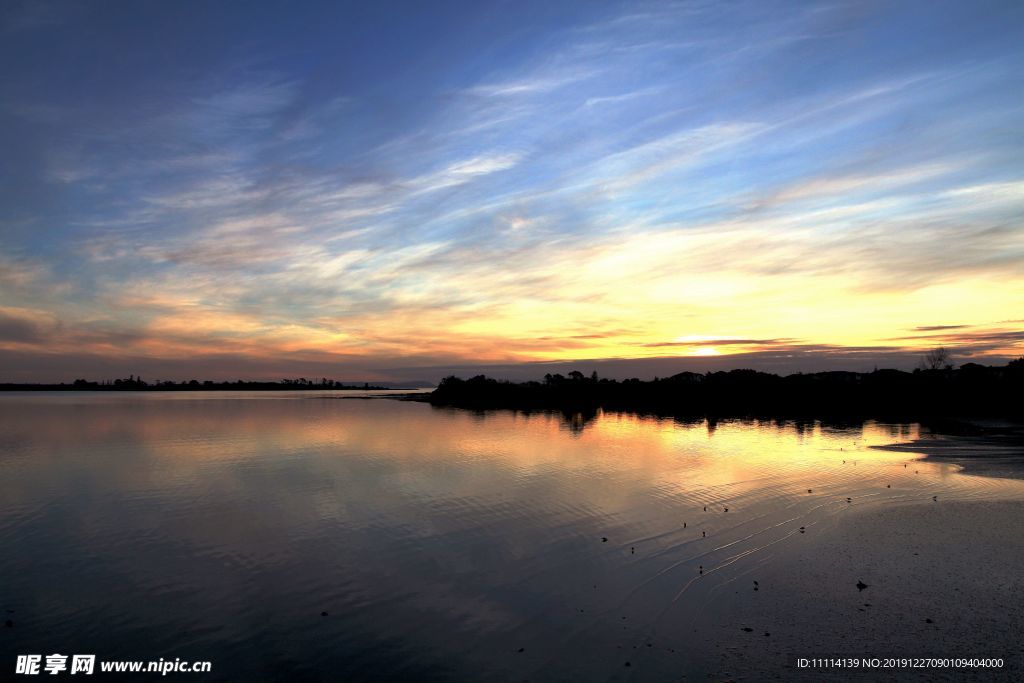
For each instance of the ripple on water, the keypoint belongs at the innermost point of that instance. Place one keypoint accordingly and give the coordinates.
(443, 539)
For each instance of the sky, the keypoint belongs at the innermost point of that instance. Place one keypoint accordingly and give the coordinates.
(394, 191)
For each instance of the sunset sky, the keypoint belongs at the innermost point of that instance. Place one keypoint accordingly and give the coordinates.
(383, 190)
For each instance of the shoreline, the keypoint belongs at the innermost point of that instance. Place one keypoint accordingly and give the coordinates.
(997, 453)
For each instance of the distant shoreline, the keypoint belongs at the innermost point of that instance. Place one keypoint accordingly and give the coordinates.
(219, 386)
(972, 391)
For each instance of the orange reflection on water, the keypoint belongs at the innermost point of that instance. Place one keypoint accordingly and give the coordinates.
(175, 512)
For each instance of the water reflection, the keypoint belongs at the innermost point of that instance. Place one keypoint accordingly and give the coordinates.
(439, 542)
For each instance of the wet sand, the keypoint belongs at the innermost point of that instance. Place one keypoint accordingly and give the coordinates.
(993, 455)
(958, 564)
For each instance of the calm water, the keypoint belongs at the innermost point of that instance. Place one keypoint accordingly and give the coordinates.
(219, 526)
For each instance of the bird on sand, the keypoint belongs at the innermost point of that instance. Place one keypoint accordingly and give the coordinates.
(861, 585)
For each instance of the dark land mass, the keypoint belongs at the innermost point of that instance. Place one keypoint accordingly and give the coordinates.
(137, 384)
(935, 395)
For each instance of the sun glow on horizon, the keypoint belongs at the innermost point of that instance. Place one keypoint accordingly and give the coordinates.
(611, 185)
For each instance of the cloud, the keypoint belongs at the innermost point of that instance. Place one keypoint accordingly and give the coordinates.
(711, 341)
(25, 326)
(20, 274)
(463, 171)
(674, 178)
(530, 85)
(249, 107)
(935, 328)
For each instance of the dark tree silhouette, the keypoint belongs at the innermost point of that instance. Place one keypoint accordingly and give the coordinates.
(974, 389)
(937, 359)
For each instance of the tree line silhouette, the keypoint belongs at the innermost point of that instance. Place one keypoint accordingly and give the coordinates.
(133, 383)
(934, 390)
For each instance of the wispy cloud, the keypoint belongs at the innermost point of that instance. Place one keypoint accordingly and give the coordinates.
(672, 179)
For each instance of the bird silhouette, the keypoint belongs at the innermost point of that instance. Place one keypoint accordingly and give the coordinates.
(861, 585)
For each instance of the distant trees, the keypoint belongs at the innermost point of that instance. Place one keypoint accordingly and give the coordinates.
(133, 383)
(575, 377)
(935, 389)
(937, 359)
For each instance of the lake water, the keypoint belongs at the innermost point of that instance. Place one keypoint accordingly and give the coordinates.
(216, 526)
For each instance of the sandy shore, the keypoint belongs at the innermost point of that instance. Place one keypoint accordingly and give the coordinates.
(998, 455)
(945, 579)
